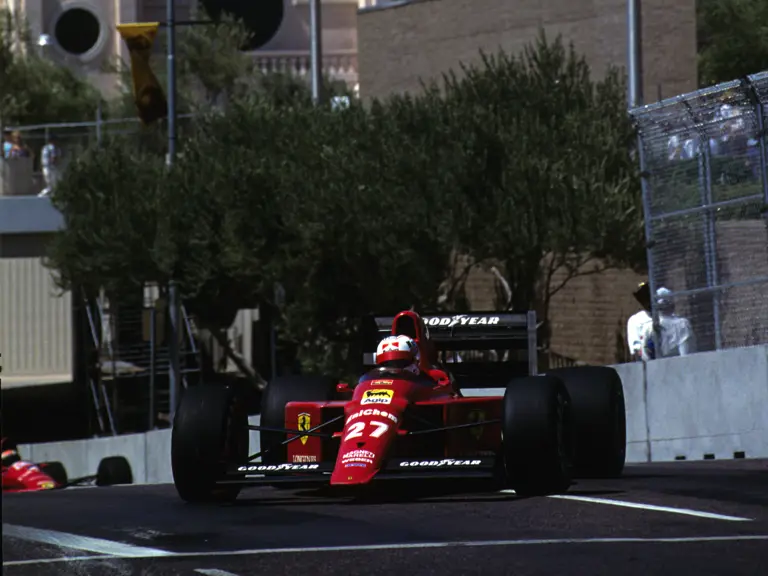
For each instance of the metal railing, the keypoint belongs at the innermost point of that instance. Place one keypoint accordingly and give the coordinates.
(72, 138)
(705, 197)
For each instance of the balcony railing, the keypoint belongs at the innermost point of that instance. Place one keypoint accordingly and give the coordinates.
(338, 65)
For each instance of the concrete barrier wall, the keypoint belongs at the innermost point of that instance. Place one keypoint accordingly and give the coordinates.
(712, 404)
(149, 454)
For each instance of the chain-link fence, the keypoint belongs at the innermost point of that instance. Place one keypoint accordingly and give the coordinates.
(705, 194)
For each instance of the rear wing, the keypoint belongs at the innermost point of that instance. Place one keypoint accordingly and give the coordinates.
(514, 332)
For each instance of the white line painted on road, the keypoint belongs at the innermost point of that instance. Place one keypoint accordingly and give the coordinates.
(653, 507)
(214, 572)
(84, 543)
(413, 546)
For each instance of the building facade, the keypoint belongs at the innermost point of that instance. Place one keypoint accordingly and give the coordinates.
(82, 35)
(403, 42)
(36, 340)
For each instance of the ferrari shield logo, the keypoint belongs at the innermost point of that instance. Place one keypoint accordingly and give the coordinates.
(304, 425)
(472, 417)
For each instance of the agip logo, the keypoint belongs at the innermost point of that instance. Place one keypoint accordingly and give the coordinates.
(377, 396)
(305, 423)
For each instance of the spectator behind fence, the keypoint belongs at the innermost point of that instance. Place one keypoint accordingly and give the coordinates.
(7, 145)
(51, 163)
(673, 336)
(17, 148)
(637, 322)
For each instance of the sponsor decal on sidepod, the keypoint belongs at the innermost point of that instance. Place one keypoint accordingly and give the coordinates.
(304, 458)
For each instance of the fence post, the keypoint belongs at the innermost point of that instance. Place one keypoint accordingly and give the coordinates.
(173, 348)
(710, 243)
(646, 194)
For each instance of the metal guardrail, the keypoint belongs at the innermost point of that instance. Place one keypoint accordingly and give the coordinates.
(705, 197)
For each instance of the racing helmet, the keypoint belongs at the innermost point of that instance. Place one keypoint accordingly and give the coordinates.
(398, 352)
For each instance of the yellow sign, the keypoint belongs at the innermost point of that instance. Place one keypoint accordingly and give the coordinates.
(147, 93)
(304, 425)
(377, 396)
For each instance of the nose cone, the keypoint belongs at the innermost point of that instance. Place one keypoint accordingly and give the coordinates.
(368, 433)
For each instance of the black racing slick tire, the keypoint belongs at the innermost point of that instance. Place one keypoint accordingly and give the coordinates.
(56, 471)
(536, 436)
(210, 436)
(114, 470)
(599, 416)
(276, 395)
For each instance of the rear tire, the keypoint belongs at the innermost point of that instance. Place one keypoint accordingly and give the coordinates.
(210, 436)
(276, 395)
(536, 436)
(114, 470)
(599, 417)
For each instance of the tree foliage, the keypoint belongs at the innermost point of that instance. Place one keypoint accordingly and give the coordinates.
(523, 162)
(33, 88)
(552, 177)
(732, 38)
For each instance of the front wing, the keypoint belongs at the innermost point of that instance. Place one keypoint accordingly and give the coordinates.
(254, 474)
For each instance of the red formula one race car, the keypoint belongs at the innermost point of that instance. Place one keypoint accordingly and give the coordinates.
(22, 476)
(410, 417)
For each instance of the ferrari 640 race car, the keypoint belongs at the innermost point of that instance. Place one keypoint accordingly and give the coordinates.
(22, 476)
(532, 434)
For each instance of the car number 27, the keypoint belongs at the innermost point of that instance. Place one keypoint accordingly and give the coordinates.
(356, 430)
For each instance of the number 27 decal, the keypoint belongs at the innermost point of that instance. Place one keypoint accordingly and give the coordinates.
(356, 430)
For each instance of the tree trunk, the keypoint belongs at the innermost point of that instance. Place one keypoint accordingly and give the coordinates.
(242, 364)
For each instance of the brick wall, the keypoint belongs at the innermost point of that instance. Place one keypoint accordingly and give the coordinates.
(589, 316)
(399, 45)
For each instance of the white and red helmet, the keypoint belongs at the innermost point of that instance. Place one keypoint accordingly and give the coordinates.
(398, 351)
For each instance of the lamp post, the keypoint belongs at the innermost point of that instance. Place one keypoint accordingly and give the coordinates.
(316, 49)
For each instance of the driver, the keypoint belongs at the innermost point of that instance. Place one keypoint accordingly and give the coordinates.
(9, 454)
(403, 352)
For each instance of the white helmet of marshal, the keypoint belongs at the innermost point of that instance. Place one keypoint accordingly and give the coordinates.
(398, 352)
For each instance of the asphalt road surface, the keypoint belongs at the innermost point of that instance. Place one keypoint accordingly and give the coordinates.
(695, 518)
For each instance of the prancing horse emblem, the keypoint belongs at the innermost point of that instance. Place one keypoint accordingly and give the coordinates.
(304, 425)
(473, 417)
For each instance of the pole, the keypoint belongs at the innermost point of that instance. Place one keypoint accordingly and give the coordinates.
(173, 348)
(174, 376)
(152, 366)
(634, 54)
(316, 49)
(171, 25)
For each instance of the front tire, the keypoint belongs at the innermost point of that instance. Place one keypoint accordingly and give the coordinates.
(536, 441)
(56, 471)
(210, 435)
